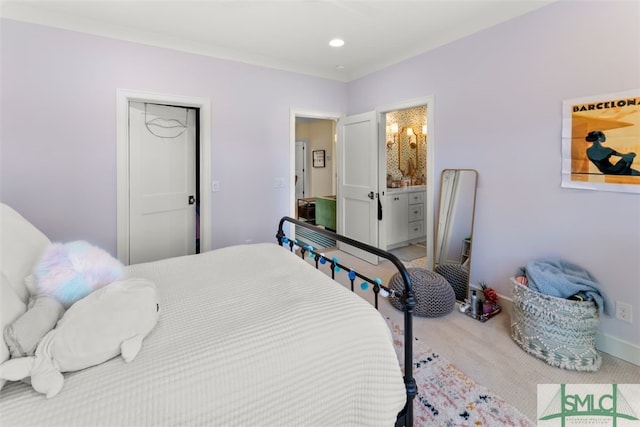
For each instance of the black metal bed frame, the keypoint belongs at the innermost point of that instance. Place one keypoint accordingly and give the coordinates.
(407, 297)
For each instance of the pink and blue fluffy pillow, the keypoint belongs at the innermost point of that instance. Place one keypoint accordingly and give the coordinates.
(68, 272)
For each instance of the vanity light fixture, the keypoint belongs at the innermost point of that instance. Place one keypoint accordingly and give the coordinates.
(336, 42)
(424, 133)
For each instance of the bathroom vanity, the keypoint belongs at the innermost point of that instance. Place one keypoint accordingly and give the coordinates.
(404, 216)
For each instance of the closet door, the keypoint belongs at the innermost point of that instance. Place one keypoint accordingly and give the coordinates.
(162, 171)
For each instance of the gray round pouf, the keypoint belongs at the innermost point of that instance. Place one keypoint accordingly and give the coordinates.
(458, 276)
(434, 295)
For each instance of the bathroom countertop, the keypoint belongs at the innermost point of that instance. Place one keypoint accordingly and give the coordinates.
(408, 189)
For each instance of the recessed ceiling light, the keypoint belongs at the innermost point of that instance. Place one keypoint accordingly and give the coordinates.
(340, 67)
(336, 43)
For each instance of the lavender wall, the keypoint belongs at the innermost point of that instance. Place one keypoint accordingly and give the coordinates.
(498, 101)
(498, 98)
(59, 129)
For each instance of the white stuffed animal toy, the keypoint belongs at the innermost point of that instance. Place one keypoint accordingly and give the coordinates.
(64, 274)
(110, 321)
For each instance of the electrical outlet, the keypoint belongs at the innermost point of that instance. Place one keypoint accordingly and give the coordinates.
(215, 186)
(623, 311)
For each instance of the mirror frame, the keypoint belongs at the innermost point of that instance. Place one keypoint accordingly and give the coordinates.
(405, 140)
(451, 267)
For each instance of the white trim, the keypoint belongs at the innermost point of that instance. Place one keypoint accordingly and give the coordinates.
(429, 101)
(123, 97)
(621, 349)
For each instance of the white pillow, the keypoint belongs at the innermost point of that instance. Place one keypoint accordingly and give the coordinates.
(21, 247)
(11, 307)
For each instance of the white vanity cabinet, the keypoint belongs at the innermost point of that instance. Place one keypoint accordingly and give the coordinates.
(416, 215)
(404, 217)
(396, 218)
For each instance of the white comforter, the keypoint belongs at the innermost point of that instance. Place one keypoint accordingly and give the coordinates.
(248, 336)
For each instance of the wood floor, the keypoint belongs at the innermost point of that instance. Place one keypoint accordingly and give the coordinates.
(486, 352)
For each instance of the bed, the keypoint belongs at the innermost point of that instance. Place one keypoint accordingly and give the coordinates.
(247, 335)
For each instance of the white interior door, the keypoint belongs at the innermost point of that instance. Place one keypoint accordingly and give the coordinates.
(162, 158)
(301, 169)
(357, 204)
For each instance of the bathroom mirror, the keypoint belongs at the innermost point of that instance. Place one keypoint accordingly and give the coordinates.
(408, 152)
(454, 230)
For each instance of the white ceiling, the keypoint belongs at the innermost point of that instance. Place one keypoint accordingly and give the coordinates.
(288, 35)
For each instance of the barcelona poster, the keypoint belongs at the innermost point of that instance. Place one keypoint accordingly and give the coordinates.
(601, 142)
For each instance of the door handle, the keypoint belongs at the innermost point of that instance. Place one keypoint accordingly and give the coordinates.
(370, 195)
(192, 200)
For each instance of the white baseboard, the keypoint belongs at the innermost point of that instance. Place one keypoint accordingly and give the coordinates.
(625, 350)
(619, 348)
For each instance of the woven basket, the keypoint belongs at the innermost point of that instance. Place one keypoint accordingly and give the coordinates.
(559, 331)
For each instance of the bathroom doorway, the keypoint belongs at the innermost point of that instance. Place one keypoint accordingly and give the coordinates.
(407, 179)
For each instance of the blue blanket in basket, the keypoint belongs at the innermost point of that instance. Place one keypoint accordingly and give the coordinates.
(563, 279)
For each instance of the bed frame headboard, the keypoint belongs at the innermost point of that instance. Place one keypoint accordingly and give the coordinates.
(405, 417)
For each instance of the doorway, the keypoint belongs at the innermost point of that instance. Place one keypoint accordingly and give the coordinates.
(429, 160)
(407, 139)
(405, 188)
(163, 182)
(167, 116)
(314, 174)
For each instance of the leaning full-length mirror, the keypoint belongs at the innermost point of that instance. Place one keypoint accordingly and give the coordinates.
(454, 230)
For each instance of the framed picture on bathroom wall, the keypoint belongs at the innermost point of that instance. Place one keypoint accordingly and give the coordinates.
(601, 142)
(318, 158)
